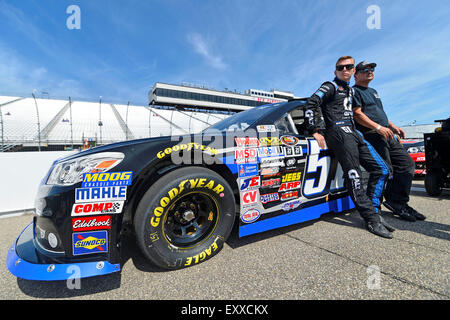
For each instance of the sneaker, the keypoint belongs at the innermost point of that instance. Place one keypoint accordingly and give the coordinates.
(402, 213)
(378, 229)
(414, 212)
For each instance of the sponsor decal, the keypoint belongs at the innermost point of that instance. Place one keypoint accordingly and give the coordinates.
(269, 152)
(291, 177)
(91, 223)
(289, 140)
(354, 178)
(269, 171)
(249, 183)
(249, 197)
(291, 162)
(271, 163)
(265, 198)
(107, 179)
(106, 207)
(204, 254)
(187, 147)
(271, 182)
(266, 128)
(296, 151)
(246, 170)
(289, 195)
(269, 141)
(250, 215)
(100, 194)
(185, 184)
(242, 155)
(289, 186)
(291, 205)
(90, 242)
(247, 142)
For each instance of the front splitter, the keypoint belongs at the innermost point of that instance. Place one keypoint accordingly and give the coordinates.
(20, 265)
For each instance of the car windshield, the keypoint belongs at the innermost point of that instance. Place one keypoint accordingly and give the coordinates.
(242, 120)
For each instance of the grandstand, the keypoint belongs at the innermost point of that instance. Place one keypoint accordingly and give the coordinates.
(28, 124)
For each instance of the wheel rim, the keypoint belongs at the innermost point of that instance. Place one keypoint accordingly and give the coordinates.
(190, 219)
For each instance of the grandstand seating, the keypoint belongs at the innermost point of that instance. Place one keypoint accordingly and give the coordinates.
(61, 122)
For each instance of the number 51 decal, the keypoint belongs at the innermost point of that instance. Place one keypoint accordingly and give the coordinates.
(323, 174)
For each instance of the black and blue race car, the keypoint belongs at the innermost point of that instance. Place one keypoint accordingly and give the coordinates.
(180, 195)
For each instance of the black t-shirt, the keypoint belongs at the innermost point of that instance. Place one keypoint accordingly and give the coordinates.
(371, 106)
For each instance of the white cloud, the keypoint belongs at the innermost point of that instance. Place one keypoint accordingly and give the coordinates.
(202, 48)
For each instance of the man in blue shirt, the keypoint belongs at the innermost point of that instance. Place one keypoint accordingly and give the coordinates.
(383, 135)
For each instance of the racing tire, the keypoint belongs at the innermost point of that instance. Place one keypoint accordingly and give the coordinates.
(433, 183)
(185, 217)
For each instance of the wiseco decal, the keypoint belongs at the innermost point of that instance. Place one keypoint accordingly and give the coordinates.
(108, 207)
(91, 223)
(247, 142)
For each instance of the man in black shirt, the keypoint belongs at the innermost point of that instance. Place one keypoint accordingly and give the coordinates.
(383, 135)
(334, 99)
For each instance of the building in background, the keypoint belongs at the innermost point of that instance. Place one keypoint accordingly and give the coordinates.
(189, 96)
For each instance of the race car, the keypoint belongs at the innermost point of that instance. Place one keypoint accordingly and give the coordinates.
(180, 195)
(416, 150)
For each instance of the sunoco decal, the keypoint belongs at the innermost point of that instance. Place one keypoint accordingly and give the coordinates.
(90, 242)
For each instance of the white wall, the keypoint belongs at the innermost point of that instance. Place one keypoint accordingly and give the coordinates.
(21, 173)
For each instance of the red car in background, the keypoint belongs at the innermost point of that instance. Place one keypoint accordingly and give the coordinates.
(416, 150)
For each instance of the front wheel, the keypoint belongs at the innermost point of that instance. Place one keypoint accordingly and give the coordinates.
(185, 217)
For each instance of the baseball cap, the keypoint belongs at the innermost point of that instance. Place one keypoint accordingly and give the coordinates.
(364, 64)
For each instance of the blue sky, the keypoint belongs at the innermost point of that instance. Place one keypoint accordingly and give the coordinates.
(124, 47)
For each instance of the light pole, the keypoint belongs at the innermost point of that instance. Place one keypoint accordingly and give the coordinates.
(100, 123)
(38, 122)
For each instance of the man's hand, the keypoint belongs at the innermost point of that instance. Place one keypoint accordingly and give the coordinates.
(386, 133)
(400, 132)
(320, 139)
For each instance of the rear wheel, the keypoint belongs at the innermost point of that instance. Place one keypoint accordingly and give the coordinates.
(185, 217)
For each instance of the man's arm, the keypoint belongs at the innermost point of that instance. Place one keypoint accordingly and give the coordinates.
(314, 125)
(365, 121)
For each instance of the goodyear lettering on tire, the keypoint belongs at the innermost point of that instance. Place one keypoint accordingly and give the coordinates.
(188, 184)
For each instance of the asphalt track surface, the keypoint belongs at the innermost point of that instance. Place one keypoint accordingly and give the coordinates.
(330, 258)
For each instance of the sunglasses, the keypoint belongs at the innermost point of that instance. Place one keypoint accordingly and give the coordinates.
(341, 67)
(366, 70)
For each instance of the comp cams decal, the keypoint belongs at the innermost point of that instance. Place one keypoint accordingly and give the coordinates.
(96, 208)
